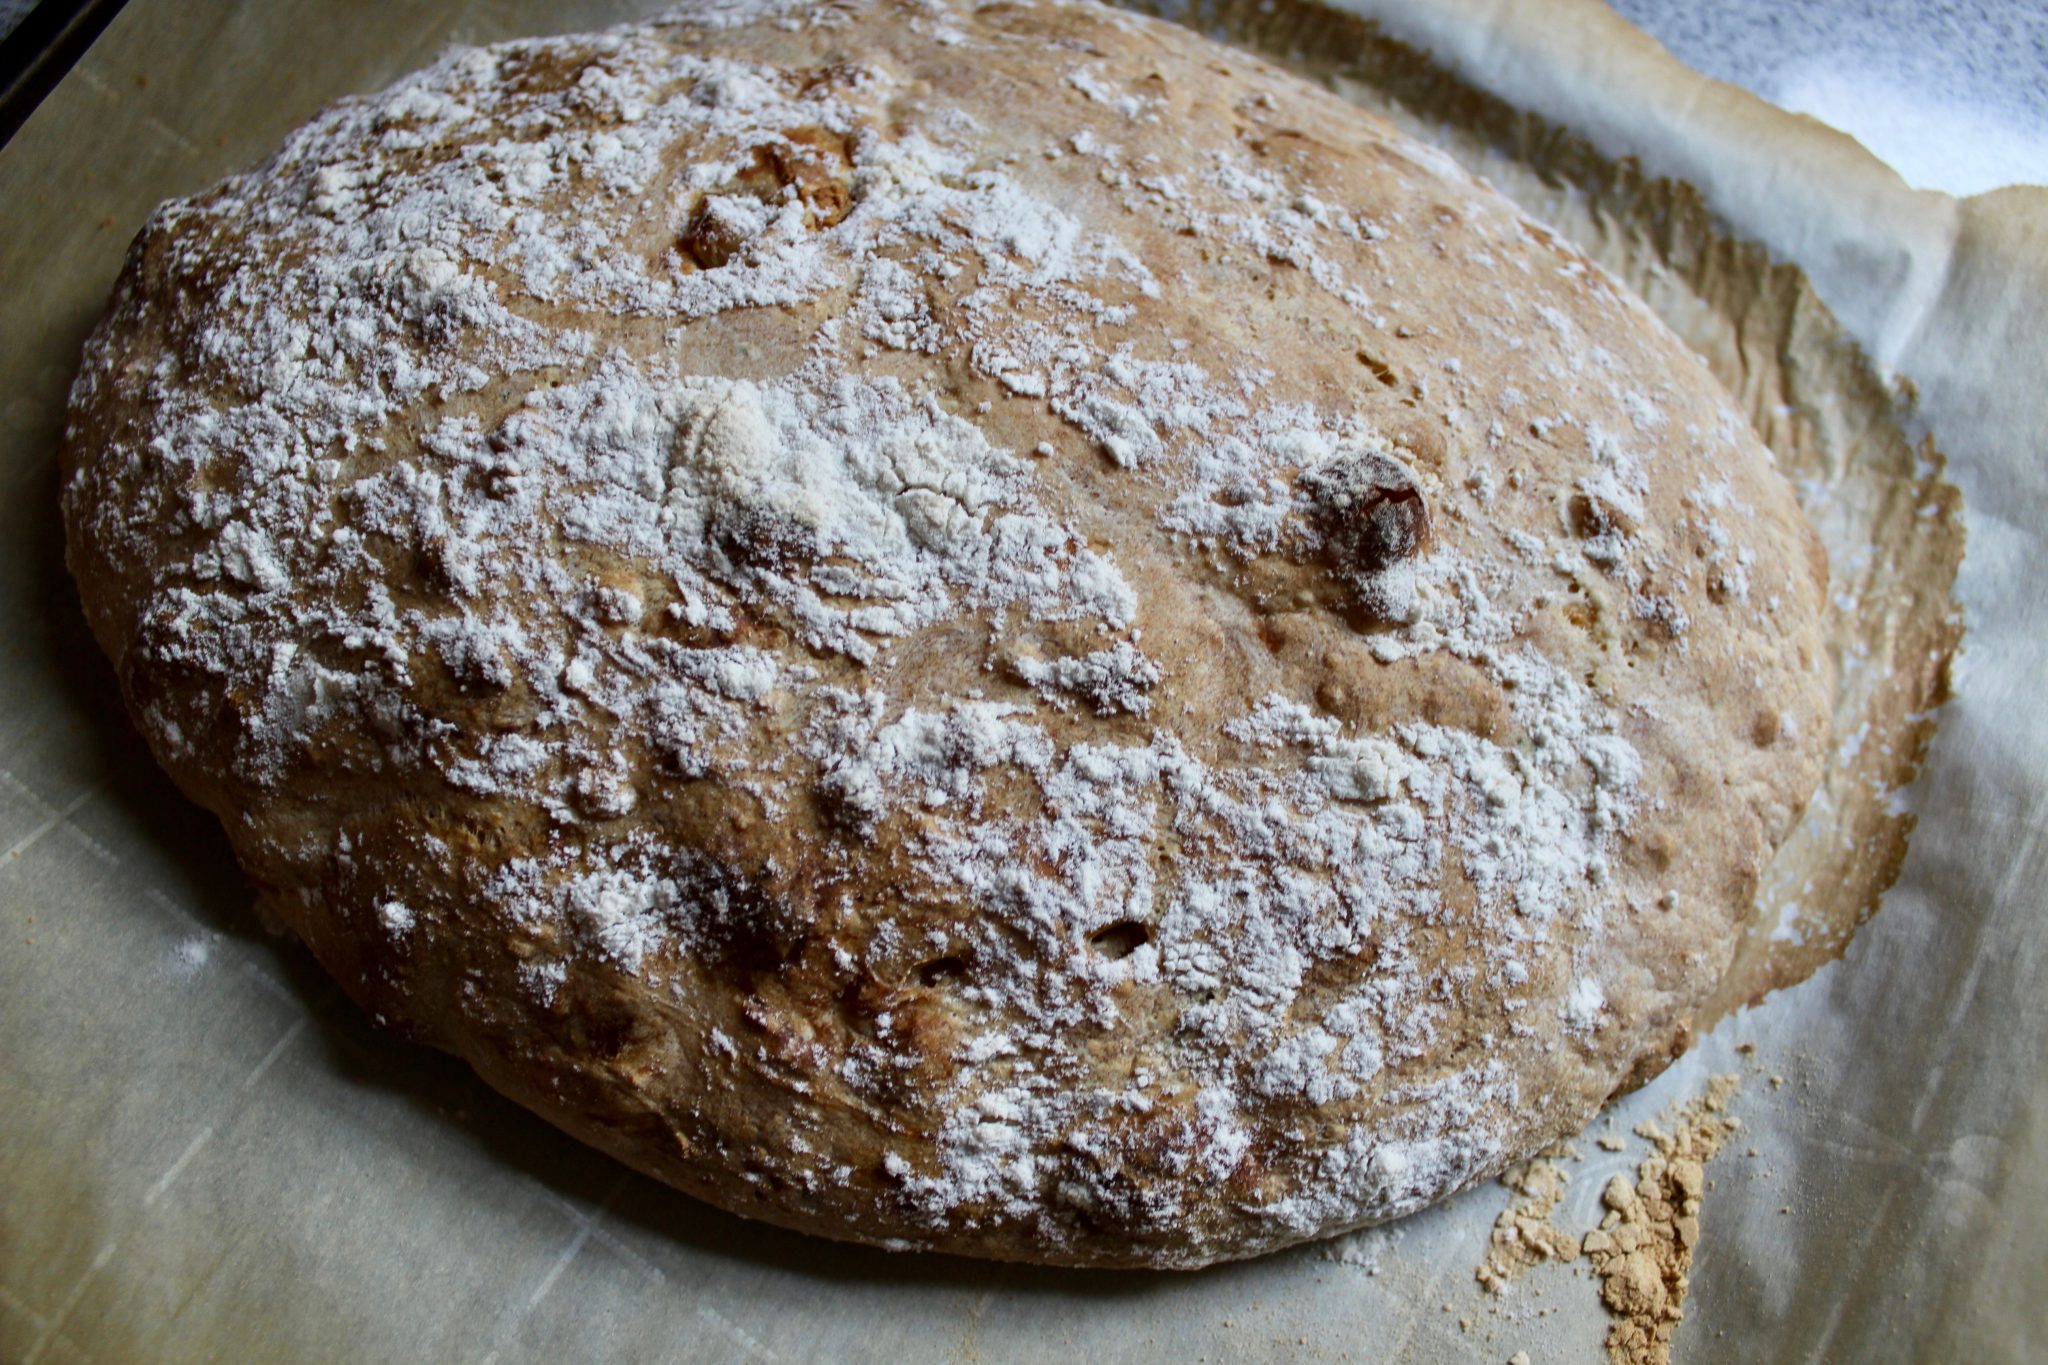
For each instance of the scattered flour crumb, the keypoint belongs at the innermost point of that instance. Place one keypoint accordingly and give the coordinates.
(1523, 1234)
(191, 954)
(1641, 1252)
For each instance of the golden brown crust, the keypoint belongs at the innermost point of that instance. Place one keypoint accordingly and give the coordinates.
(994, 629)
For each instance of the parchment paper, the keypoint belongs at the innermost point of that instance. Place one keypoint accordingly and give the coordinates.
(204, 1153)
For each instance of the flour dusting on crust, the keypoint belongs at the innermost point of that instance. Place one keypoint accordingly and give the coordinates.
(753, 587)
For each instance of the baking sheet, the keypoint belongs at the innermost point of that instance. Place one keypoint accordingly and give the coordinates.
(205, 1153)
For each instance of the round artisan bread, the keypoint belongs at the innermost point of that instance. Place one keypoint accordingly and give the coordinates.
(991, 628)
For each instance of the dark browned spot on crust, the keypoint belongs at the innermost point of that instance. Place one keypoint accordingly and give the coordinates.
(1593, 516)
(812, 166)
(1369, 511)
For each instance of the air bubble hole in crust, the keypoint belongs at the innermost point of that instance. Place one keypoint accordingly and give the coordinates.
(1119, 940)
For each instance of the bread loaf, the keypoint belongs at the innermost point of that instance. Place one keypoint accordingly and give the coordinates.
(989, 628)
